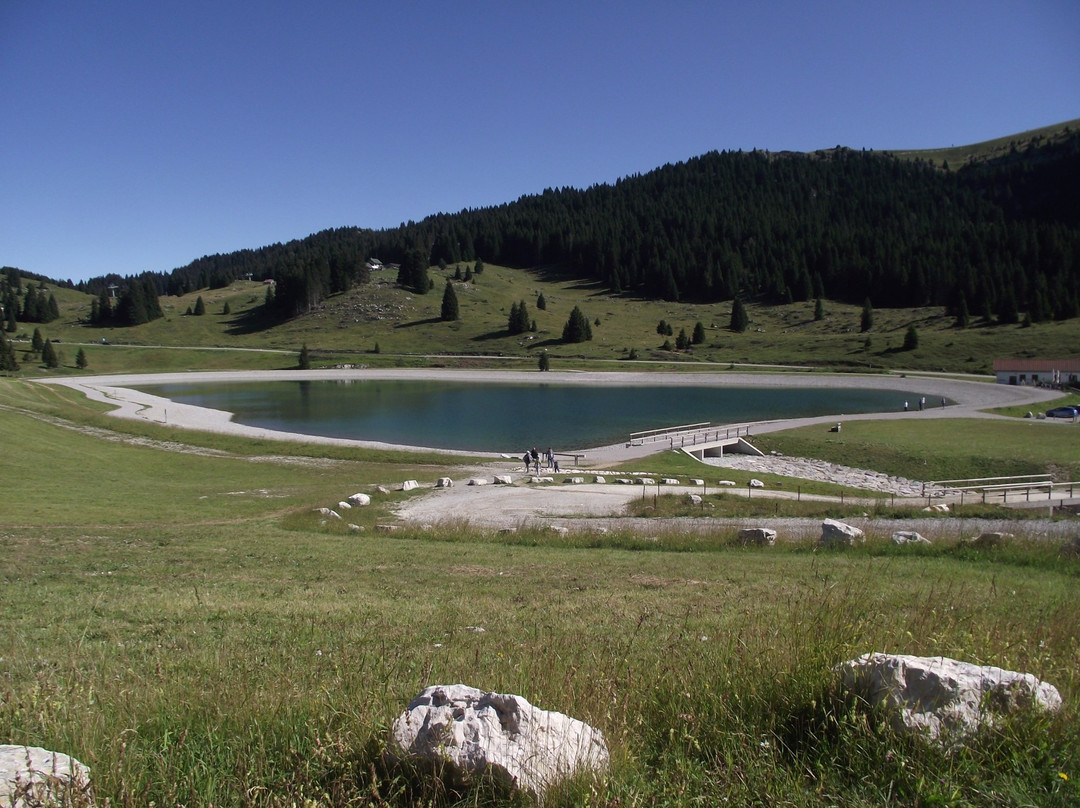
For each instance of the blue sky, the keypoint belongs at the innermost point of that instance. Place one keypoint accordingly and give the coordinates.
(142, 135)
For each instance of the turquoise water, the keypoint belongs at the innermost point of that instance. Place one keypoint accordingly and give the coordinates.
(508, 417)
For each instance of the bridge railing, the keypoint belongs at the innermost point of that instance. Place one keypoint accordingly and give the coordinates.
(690, 434)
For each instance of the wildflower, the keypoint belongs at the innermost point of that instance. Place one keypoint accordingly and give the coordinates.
(1063, 776)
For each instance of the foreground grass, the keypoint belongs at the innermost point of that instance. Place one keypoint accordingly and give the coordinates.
(199, 646)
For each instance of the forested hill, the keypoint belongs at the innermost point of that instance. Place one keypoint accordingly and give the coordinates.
(1002, 234)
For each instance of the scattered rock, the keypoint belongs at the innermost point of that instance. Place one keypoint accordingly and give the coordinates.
(761, 536)
(646, 481)
(329, 512)
(726, 483)
(909, 537)
(477, 481)
(410, 485)
(382, 489)
(345, 506)
(600, 478)
(839, 534)
(669, 481)
(31, 776)
(988, 540)
(543, 479)
(755, 483)
(360, 500)
(940, 507)
(463, 733)
(697, 481)
(562, 531)
(693, 499)
(624, 481)
(355, 528)
(506, 531)
(388, 528)
(941, 697)
(574, 480)
(503, 479)
(444, 482)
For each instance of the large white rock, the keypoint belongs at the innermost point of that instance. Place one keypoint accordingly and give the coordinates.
(693, 499)
(31, 776)
(329, 512)
(761, 536)
(600, 479)
(410, 485)
(464, 732)
(725, 483)
(360, 500)
(477, 481)
(444, 482)
(755, 483)
(839, 534)
(669, 481)
(909, 537)
(943, 698)
(503, 479)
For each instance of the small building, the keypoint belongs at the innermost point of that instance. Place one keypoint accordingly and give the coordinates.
(1037, 372)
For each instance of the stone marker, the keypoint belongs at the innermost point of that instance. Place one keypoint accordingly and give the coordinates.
(909, 537)
(465, 733)
(410, 485)
(943, 698)
(503, 479)
(444, 482)
(360, 500)
(761, 536)
(839, 534)
(31, 776)
(755, 483)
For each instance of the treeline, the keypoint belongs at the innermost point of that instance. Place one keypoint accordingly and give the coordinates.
(994, 238)
(25, 303)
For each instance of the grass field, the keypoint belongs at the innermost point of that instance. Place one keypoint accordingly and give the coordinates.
(176, 617)
(406, 329)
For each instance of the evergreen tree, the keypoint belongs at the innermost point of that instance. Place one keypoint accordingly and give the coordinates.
(577, 328)
(52, 310)
(37, 342)
(48, 355)
(200, 307)
(682, 342)
(7, 354)
(518, 322)
(698, 337)
(819, 309)
(866, 321)
(662, 328)
(449, 311)
(478, 267)
(80, 359)
(545, 361)
(541, 302)
(963, 318)
(739, 318)
(11, 326)
(303, 361)
(226, 309)
(911, 338)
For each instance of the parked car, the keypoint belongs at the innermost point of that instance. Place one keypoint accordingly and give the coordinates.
(1063, 412)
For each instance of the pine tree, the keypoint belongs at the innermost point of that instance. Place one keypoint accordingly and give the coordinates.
(698, 337)
(37, 342)
(200, 307)
(819, 309)
(682, 342)
(80, 359)
(577, 328)
(545, 361)
(48, 355)
(541, 302)
(449, 304)
(303, 361)
(518, 323)
(963, 317)
(7, 354)
(911, 338)
(739, 318)
(226, 309)
(866, 321)
(478, 267)
(11, 326)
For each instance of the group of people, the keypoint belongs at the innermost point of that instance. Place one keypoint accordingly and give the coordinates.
(531, 459)
(922, 403)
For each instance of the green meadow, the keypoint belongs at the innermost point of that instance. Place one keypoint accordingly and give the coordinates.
(177, 616)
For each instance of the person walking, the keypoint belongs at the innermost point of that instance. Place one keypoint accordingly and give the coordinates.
(527, 458)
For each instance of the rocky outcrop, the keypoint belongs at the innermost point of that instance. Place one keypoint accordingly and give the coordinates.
(839, 534)
(31, 776)
(465, 733)
(943, 698)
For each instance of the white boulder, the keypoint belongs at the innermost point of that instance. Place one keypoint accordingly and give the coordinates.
(624, 481)
(31, 776)
(669, 481)
(410, 485)
(345, 506)
(503, 479)
(839, 534)
(761, 536)
(941, 697)
(909, 537)
(382, 489)
(574, 480)
(444, 482)
(693, 499)
(360, 500)
(329, 512)
(940, 507)
(726, 483)
(697, 481)
(755, 483)
(477, 481)
(600, 478)
(464, 733)
(646, 481)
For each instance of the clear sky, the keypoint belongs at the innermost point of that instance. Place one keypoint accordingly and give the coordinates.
(142, 135)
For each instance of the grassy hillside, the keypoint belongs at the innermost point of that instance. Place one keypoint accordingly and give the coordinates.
(406, 329)
(957, 156)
